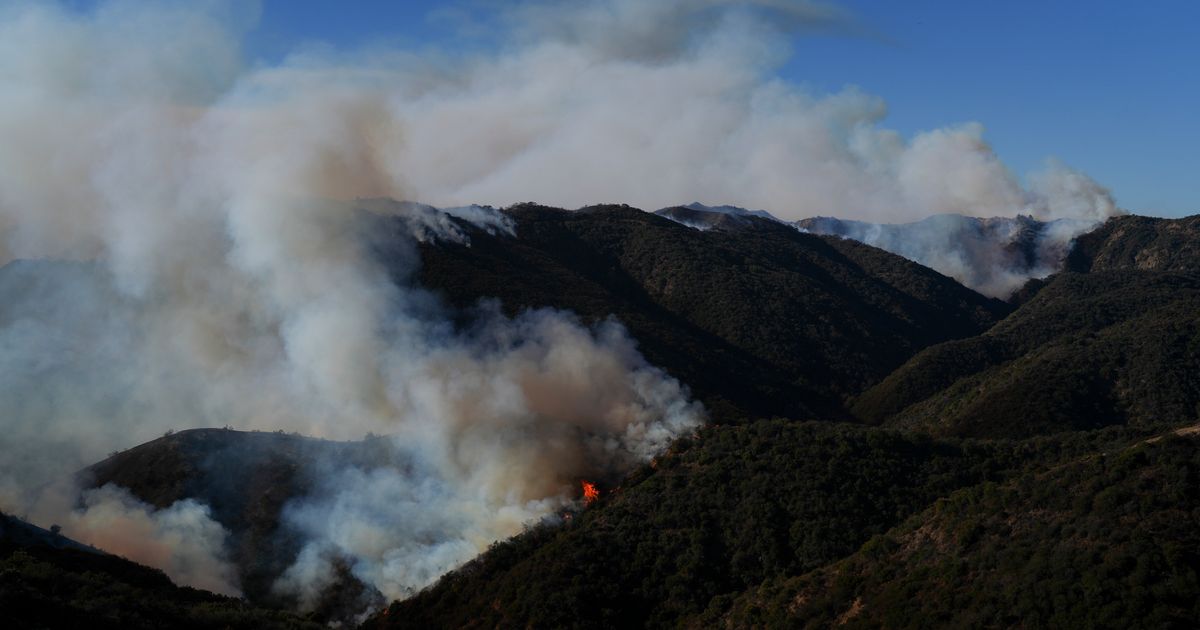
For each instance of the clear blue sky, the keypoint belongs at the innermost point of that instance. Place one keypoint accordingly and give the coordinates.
(1111, 88)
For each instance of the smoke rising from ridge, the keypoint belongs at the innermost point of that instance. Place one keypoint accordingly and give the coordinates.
(994, 256)
(221, 277)
(232, 287)
(613, 101)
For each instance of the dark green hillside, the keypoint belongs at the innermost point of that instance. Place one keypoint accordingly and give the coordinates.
(47, 581)
(245, 478)
(1088, 350)
(778, 523)
(717, 516)
(1111, 540)
(1011, 483)
(1135, 242)
(758, 319)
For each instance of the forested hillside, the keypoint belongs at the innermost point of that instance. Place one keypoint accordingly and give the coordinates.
(1029, 475)
(759, 320)
(881, 437)
(47, 581)
(1137, 242)
(718, 516)
(1108, 540)
(1088, 350)
(246, 479)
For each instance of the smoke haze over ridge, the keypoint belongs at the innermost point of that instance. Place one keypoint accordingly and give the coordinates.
(994, 256)
(220, 277)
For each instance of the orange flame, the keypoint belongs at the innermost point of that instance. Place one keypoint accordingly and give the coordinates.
(590, 492)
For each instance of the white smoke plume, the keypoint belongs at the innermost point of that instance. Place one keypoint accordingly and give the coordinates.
(224, 282)
(994, 256)
(502, 425)
(630, 101)
(182, 539)
(654, 103)
(219, 276)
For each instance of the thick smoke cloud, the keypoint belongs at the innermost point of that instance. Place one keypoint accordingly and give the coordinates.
(502, 424)
(211, 268)
(183, 540)
(222, 278)
(995, 256)
(654, 104)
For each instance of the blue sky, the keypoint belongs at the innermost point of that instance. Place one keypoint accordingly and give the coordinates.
(1110, 88)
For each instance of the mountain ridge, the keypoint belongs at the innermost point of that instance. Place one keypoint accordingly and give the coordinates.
(764, 293)
(731, 525)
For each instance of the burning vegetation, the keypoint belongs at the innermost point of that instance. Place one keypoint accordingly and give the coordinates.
(590, 492)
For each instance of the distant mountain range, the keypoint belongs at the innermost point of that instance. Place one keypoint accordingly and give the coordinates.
(887, 447)
(994, 256)
(1081, 490)
(761, 320)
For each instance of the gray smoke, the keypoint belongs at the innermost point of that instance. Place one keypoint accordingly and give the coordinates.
(998, 254)
(221, 280)
(994, 256)
(217, 275)
(655, 103)
(182, 539)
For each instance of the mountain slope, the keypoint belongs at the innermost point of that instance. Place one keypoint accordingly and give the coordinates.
(717, 531)
(246, 479)
(1088, 350)
(1109, 540)
(994, 256)
(1145, 243)
(748, 318)
(715, 517)
(703, 217)
(760, 320)
(48, 581)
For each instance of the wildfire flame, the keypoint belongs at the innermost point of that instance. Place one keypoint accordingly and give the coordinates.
(590, 492)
